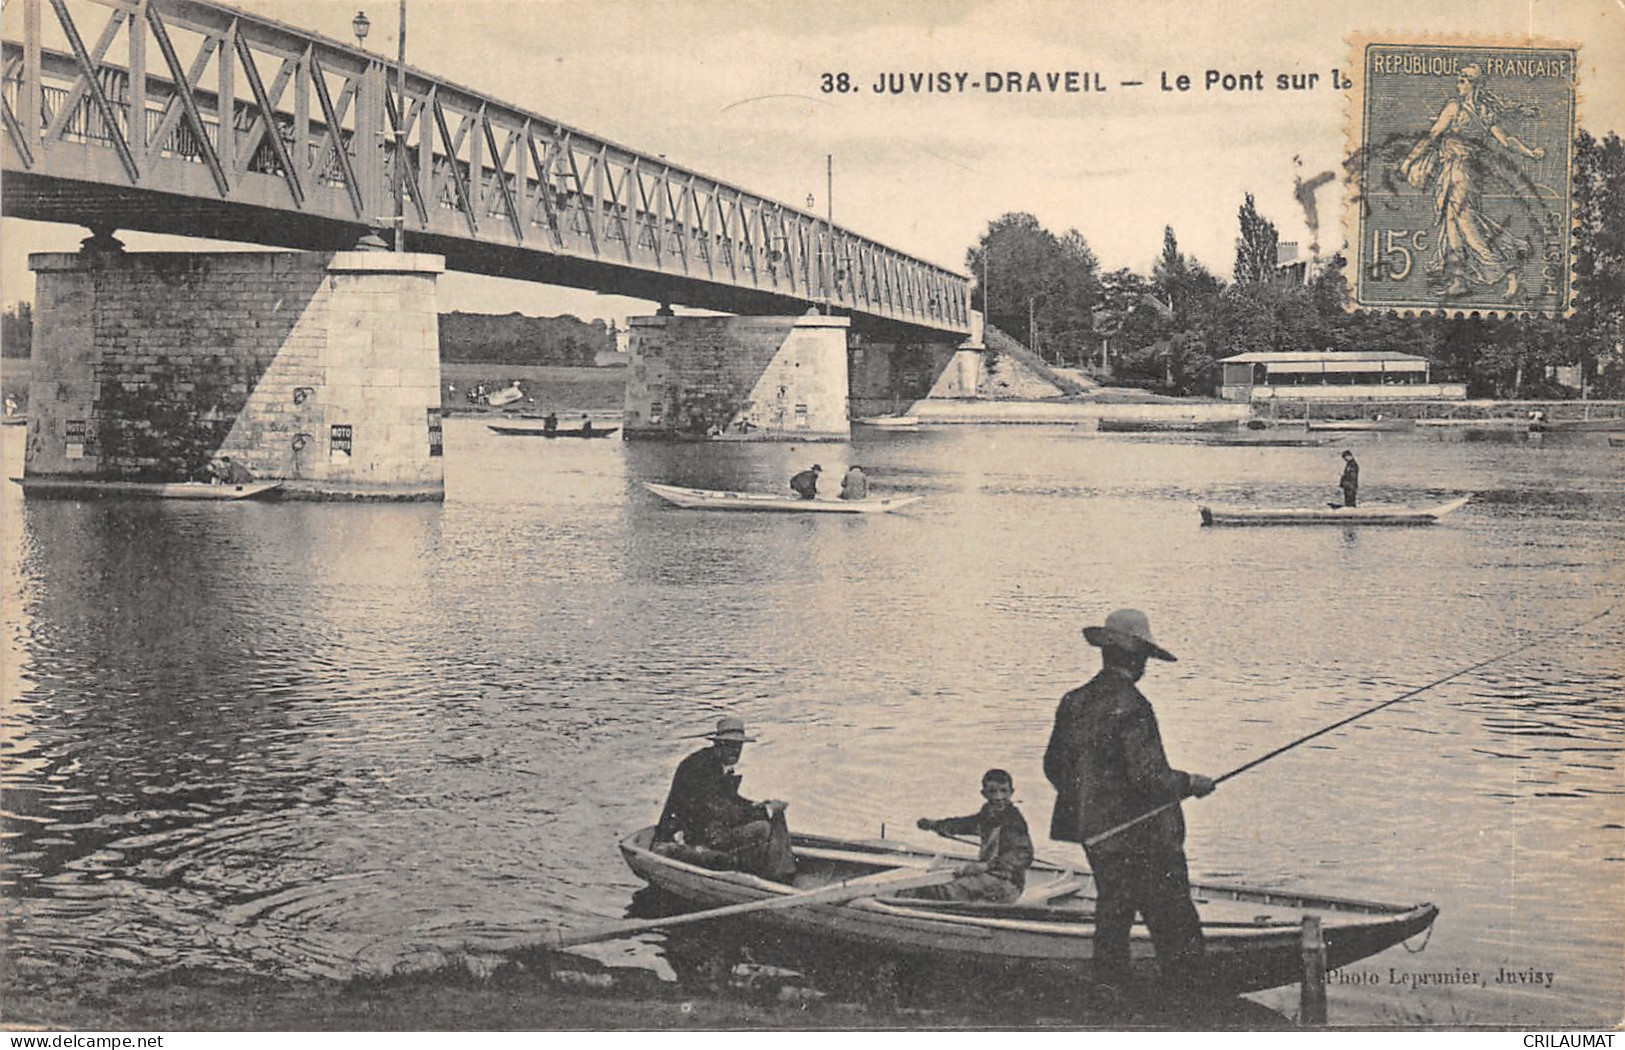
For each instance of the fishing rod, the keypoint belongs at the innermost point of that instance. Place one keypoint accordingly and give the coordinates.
(1095, 840)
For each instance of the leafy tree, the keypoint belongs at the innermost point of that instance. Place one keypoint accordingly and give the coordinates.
(1597, 329)
(1258, 246)
(17, 330)
(1037, 285)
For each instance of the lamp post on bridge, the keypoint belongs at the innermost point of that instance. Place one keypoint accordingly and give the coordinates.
(361, 25)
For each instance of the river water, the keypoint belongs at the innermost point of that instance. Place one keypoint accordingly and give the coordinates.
(304, 740)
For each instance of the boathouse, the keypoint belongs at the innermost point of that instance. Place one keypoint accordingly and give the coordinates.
(1353, 375)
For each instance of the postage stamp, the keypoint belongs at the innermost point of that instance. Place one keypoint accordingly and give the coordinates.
(1463, 165)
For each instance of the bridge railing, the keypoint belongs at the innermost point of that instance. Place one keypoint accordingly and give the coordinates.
(312, 128)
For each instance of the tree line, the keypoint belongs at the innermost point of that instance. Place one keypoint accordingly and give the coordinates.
(1167, 329)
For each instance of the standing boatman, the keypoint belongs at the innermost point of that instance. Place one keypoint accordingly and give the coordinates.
(1106, 761)
(1350, 481)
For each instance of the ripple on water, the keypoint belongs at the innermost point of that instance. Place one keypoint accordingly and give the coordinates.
(311, 740)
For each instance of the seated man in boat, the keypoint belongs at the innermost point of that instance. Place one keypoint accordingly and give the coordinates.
(230, 472)
(586, 426)
(1350, 481)
(1000, 871)
(706, 822)
(550, 422)
(805, 484)
(855, 485)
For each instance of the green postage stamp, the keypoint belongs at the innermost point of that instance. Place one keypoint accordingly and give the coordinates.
(1465, 165)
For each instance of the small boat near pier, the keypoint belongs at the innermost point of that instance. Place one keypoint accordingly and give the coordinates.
(714, 499)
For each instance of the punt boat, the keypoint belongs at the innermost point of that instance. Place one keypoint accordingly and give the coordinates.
(80, 488)
(1374, 515)
(563, 432)
(1253, 936)
(713, 499)
(1111, 425)
(1361, 424)
(892, 422)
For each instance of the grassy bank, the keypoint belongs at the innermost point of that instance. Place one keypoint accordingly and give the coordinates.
(554, 388)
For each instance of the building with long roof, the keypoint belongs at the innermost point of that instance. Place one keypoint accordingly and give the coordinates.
(1332, 375)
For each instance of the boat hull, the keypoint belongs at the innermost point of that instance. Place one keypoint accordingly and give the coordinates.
(90, 488)
(1252, 936)
(1330, 516)
(715, 499)
(543, 432)
(892, 422)
(1363, 424)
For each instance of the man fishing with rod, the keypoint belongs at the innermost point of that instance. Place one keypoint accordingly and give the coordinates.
(1106, 761)
(1118, 797)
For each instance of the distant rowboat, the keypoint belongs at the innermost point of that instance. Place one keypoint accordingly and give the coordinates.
(1363, 424)
(543, 432)
(1377, 515)
(894, 422)
(67, 487)
(714, 499)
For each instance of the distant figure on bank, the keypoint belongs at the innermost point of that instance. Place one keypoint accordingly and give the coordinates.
(1000, 871)
(855, 485)
(1350, 481)
(550, 422)
(805, 484)
(586, 426)
(230, 472)
(1106, 761)
(707, 822)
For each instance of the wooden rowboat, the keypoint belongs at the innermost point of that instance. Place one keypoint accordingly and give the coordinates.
(80, 488)
(1253, 936)
(543, 432)
(1377, 515)
(893, 422)
(713, 499)
(1362, 424)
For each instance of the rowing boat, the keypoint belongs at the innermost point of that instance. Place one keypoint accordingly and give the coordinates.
(1111, 425)
(543, 432)
(1377, 515)
(1253, 936)
(713, 499)
(1362, 424)
(1267, 441)
(893, 422)
(67, 487)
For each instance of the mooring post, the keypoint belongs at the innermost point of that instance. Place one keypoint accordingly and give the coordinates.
(1312, 999)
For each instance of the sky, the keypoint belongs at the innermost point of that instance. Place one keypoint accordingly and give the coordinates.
(736, 89)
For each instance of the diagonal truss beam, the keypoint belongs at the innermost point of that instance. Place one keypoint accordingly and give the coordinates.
(184, 91)
(87, 69)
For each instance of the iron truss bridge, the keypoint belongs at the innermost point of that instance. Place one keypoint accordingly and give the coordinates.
(193, 118)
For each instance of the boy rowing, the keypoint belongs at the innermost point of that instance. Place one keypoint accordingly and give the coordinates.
(999, 873)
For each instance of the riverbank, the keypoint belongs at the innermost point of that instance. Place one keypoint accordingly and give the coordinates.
(557, 992)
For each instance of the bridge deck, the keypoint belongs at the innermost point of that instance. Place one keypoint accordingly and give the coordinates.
(493, 188)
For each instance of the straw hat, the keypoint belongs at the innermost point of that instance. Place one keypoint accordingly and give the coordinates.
(1128, 629)
(729, 729)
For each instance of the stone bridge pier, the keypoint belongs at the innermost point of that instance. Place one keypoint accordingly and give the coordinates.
(777, 378)
(321, 370)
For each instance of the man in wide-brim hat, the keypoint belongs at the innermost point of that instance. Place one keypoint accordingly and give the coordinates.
(706, 821)
(1106, 761)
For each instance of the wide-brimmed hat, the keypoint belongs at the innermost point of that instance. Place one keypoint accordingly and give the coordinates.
(1128, 629)
(728, 729)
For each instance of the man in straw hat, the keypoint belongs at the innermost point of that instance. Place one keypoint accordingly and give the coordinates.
(1106, 761)
(706, 821)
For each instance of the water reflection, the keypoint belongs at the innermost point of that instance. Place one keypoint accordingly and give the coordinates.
(300, 739)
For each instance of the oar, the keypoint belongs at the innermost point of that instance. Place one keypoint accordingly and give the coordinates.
(1070, 886)
(1095, 840)
(836, 893)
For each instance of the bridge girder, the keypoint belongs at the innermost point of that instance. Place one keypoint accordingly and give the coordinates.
(496, 189)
